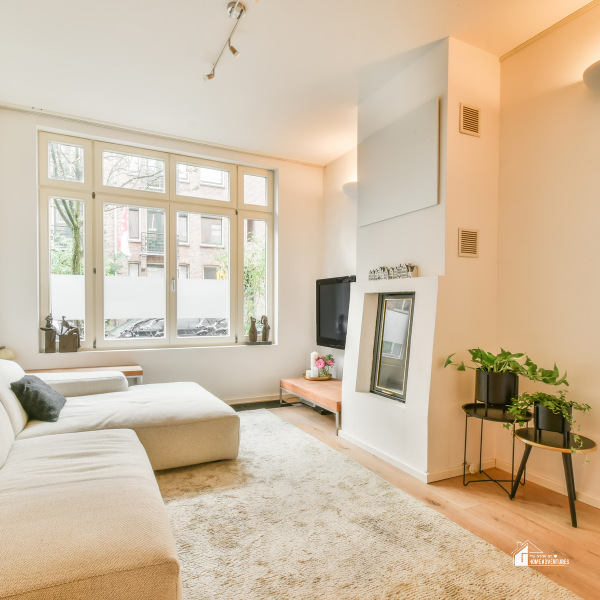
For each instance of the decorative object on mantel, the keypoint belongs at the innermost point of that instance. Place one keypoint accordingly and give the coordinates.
(69, 338)
(402, 271)
(6, 353)
(51, 333)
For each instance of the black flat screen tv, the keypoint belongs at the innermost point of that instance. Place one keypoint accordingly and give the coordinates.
(333, 301)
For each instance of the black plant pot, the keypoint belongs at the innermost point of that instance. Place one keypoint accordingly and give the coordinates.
(496, 388)
(545, 419)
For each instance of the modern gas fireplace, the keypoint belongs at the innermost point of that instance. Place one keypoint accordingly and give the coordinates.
(392, 345)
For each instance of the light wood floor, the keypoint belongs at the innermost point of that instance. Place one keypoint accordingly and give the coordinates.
(537, 514)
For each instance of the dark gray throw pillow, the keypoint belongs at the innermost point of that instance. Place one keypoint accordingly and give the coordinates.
(38, 399)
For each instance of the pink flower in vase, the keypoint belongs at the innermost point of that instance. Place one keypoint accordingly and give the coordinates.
(320, 363)
(330, 363)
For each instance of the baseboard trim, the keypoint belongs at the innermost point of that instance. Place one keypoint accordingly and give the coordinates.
(457, 471)
(386, 457)
(553, 485)
(256, 399)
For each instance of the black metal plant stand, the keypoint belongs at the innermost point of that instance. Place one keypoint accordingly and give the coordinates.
(497, 413)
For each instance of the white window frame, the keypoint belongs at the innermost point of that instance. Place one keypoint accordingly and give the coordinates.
(179, 267)
(100, 147)
(259, 216)
(171, 203)
(44, 139)
(200, 162)
(45, 259)
(208, 211)
(270, 188)
(101, 342)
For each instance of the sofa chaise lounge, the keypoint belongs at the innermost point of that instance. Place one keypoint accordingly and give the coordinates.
(81, 516)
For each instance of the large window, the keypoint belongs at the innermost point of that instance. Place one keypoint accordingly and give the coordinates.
(141, 248)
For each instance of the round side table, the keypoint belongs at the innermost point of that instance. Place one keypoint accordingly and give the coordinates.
(497, 413)
(550, 440)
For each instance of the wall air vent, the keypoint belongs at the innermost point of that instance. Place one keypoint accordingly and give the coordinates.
(468, 242)
(470, 120)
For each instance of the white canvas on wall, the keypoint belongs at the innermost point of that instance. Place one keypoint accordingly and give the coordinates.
(398, 166)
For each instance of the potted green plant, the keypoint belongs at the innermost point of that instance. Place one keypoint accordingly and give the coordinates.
(497, 375)
(552, 412)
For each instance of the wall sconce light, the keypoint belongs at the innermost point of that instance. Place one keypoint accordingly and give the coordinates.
(591, 77)
(351, 190)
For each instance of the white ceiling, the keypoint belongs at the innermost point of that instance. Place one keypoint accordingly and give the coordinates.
(293, 91)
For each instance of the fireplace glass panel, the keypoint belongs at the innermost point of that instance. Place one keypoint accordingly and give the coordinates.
(392, 345)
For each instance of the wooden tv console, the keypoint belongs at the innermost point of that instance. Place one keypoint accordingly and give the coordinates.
(325, 394)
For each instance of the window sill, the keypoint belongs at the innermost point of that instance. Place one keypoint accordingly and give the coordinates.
(158, 348)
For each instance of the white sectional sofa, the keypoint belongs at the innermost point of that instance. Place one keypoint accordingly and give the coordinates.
(81, 516)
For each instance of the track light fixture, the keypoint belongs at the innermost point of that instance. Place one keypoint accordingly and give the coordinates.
(236, 10)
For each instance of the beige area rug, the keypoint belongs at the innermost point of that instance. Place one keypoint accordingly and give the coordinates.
(294, 519)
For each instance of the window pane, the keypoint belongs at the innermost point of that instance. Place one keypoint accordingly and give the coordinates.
(67, 262)
(255, 190)
(255, 272)
(133, 172)
(65, 162)
(203, 289)
(134, 274)
(202, 182)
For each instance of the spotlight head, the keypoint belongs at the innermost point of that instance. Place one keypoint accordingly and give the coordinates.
(236, 53)
(209, 77)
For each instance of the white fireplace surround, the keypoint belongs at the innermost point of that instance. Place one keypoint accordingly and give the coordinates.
(395, 431)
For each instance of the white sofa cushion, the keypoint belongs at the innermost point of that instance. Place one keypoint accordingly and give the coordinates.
(82, 518)
(86, 383)
(7, 435)
(9, 373)
(179, 424)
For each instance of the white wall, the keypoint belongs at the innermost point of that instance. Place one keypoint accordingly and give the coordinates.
(395, 431)
(228, 372)
(549, 279)
(417, 237)
(467, 302)
(461, 306)
(339, 231)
